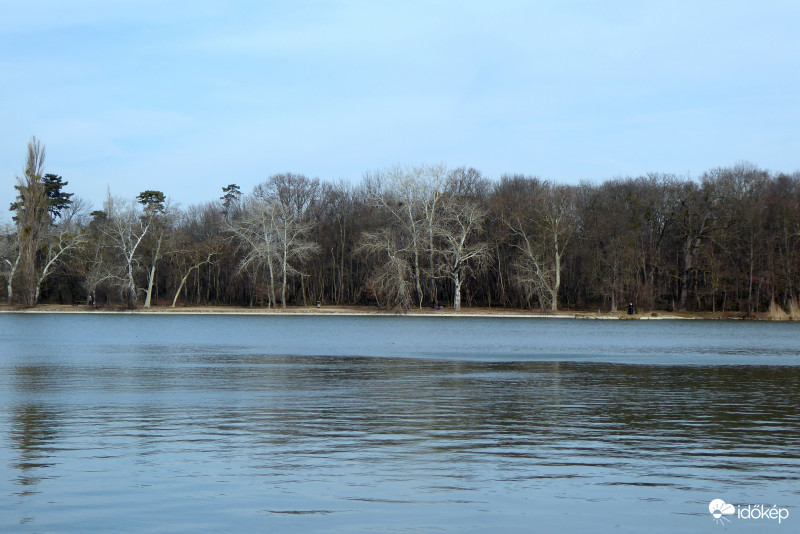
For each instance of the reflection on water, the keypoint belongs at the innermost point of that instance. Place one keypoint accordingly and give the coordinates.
(192, 436)
(32, 433)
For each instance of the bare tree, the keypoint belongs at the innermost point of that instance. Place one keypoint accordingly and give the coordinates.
(125, 227)
(461, 245)
(193, 265)
(198, 238)
(390, 280)
(694, 221)
(737, 218)
(10, 255)
(434, 181)
(61, 241)
(399, 193)
(542, 222)
(783, 225)
(160, 217)
(274, 229)
(32, 219)
(608, 240)
(294, 246)
(256, 230)
(295, 201)
(411, 196)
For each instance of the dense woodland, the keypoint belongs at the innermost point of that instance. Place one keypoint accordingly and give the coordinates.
(410, 237)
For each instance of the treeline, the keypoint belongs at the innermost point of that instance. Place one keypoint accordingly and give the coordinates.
(410, 237)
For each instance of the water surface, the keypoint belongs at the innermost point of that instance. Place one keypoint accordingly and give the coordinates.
(132, 423)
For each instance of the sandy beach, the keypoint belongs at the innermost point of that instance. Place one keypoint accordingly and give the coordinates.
(372, 310)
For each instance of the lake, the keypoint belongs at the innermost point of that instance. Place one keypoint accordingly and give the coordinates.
(181, 423)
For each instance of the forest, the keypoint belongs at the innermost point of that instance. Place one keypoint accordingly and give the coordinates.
(415, 236)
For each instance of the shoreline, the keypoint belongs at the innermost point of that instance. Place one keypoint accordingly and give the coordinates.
(362, 311)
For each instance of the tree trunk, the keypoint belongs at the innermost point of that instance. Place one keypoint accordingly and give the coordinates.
(10, 284)
(503, 297)
(434, 295)
(183, 281)
(553, 299)
(340, 297)
(150, 285)
(41, 278)
(457, 289)
(153, 274)
(557, 283)
(283, 283)
(131, 290)
(178, 292)
(750, 277)
(687, 267)
(417, 275)
(271, 284)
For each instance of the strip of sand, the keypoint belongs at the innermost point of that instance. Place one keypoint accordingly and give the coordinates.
(374, 311)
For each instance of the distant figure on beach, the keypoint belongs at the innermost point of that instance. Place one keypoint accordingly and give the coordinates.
(438, 305)
(630, 308)
(91, 301)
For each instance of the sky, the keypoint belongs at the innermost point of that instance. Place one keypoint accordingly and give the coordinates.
(189, 96)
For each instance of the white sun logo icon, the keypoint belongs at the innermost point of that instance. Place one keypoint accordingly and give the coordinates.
(719, 509)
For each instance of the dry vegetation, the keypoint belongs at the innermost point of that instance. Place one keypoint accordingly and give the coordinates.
(408, 238)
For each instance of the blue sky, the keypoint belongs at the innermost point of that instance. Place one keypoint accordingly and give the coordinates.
(187, 97)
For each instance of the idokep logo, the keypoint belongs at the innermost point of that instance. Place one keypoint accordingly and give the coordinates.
(719, 509)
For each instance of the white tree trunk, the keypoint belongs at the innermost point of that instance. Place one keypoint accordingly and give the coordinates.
(153, 272)
(131, 288)
(271, 284)
(557, 277)
(180, 287)
(457, 288)
(150, 285)
(10, 284)
(44, 274)
(283, 282)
